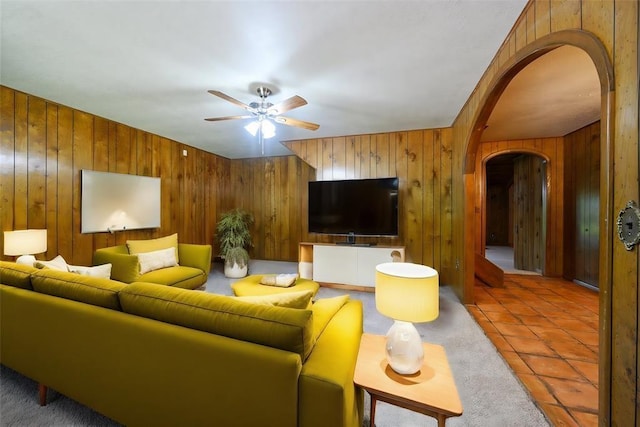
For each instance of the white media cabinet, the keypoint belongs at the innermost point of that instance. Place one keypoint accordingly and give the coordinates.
(352, 265)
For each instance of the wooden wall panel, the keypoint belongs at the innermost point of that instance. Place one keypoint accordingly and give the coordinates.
(52, 180)
(7, 157)
(64, 201)
(422, 160)
(20, 210)
(44, 148)
(274, 191)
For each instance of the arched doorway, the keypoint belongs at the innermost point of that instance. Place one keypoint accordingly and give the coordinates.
(513, 232)
(594, 48)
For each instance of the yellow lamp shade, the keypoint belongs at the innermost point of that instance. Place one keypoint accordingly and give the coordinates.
(407, 292)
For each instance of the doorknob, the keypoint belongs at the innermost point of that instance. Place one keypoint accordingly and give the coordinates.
(629, 225)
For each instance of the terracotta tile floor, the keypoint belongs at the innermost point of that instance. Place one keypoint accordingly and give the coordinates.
(547, 331)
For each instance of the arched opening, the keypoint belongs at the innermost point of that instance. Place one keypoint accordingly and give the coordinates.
(589, 44)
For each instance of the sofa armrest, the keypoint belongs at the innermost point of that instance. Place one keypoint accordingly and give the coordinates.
(124, 267)
(327, 394)
(197, 256)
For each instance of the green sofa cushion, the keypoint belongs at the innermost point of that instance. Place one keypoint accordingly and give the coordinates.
(284, 328)
(16, 275)
(171, 276)
(90, 290)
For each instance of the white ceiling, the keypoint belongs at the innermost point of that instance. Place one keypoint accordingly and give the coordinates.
(363, 66)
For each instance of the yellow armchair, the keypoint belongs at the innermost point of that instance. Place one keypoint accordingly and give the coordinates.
(195, 264)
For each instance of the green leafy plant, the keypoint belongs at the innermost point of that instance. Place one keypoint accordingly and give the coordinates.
(234, 236)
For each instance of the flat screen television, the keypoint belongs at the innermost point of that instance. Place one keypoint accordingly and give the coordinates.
(360, 207)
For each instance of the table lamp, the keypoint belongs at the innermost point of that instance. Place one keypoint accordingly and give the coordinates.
(406, 293)
(24, 244)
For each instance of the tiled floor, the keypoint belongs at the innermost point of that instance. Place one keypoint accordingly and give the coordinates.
(547, 330)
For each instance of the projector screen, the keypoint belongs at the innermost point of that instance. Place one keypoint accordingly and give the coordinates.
(115, 201)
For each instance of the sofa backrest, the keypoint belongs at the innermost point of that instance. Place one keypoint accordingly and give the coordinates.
(16, 275)
(284, 328)
(124, 266)
(90, 290)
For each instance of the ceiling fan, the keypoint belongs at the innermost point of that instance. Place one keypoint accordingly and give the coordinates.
(263, 110)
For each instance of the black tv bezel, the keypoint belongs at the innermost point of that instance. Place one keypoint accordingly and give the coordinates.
(358, 233)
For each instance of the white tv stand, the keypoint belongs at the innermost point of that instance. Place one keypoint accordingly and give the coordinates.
(351, 265)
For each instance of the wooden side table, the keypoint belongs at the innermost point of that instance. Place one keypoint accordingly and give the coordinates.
(431, 391)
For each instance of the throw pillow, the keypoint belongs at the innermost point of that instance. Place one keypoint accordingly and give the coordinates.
(103, 271)
(150, 245)
(323, 311)
(288, 299)
(280, 280)
(58, 263)
(155, 260)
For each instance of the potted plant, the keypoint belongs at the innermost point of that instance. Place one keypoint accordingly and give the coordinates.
(234, 237)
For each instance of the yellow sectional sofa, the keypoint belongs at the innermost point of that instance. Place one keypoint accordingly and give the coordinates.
(144, 354)
(191, 273)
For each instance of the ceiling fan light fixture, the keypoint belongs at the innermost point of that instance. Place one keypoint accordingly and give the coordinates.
(268, 129)
(252, 127)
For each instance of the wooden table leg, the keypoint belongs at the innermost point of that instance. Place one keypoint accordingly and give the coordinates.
(42, 394)
(372, 412)
(441, 420)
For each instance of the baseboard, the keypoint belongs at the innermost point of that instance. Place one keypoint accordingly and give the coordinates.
(370, 289)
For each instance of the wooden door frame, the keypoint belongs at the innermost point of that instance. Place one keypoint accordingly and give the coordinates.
(589, 43)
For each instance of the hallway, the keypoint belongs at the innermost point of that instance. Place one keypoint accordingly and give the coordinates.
(547, 331)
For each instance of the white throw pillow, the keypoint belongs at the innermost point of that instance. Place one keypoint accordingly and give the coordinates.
(58, 263)
(103, 271)
(155, 260)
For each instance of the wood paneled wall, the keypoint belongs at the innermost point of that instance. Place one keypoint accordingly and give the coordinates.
(552, 150)
(422, 161)
(582, 204)
(544, 23)
(274, 191)
(43, 148)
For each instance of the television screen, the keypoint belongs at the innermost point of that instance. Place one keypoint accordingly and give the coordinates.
(363, 207)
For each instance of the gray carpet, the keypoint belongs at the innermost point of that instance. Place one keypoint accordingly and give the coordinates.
(490, 393)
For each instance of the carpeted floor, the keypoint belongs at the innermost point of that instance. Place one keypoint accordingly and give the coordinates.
(490, 393)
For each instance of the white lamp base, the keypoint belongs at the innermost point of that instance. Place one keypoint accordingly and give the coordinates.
(26, 260)
(404, 348)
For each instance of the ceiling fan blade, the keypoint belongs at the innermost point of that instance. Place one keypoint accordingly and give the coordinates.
(217, 119)
(287, 105)
(297, 123)
(230, 99)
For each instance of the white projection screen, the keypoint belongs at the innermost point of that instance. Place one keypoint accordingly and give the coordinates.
(115, 201)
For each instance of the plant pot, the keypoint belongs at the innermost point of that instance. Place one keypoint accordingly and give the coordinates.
(234, 271)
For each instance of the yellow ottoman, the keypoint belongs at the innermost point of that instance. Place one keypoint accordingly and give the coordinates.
(250, 286)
